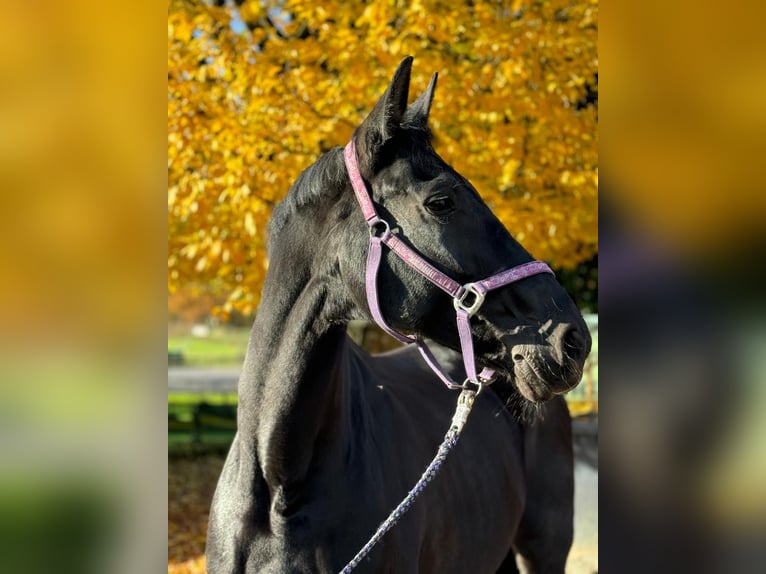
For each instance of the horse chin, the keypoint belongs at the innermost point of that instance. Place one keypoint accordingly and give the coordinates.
(530, 385)
(524, 382)
(533, 389)
(518, 404)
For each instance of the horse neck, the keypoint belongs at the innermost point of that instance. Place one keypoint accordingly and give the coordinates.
(293, 394)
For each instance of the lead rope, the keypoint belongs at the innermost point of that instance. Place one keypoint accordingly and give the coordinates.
(462, 410)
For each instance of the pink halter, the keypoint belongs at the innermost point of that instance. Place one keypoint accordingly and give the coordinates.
(467, 298)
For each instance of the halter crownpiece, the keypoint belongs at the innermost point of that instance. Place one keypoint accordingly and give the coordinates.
(467, 298)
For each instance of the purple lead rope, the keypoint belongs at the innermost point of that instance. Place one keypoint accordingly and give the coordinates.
(466, 298)
(464, 406)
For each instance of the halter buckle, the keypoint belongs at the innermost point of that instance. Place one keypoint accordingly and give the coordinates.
(469, 307)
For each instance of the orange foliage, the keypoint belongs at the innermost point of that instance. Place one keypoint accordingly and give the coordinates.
(191, 484)
(190, 304)
(256, 93)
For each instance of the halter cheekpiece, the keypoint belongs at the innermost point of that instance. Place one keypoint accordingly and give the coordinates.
(467, 299)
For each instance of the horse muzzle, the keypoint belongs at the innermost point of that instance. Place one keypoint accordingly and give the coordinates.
(551, 367)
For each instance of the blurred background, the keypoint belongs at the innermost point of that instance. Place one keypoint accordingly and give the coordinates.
(681, 297)
(94, 118)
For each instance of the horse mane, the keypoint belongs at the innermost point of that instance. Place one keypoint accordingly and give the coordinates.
(319, 182)
(324, 179)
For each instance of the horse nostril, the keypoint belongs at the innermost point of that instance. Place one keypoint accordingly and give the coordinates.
(518, 358)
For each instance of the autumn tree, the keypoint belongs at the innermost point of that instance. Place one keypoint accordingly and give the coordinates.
(257, 90)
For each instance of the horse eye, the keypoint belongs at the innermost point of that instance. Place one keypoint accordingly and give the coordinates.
(439, 205)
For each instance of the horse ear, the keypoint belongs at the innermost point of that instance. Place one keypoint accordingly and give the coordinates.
(417, 113)
(385, 118)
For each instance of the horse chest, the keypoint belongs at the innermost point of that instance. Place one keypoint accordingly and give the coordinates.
(338, 515)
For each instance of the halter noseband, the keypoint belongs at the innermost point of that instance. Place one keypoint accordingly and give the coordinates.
(467, 298)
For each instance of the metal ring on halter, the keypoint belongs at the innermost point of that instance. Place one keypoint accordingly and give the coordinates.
(470, 308)
(375, 227)
(479, 386)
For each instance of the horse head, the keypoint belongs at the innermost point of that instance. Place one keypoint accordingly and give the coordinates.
(530, 332)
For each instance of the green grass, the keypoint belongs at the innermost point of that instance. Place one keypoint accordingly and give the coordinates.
(186, 399)
(181, 406)
(180, 443)
(225, 347)
(210, 432)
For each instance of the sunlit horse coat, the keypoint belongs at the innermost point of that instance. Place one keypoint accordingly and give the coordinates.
(330, 439)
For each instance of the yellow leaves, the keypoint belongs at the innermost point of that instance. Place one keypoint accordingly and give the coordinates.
(250, 224)
(179, 27)
(243, 122)
(189, 251)
(376, 17)
(252, 10)
(508, 175)
(577, 179)
(395, 46)
(172, 192)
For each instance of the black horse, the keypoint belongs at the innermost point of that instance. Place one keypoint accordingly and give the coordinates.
(330, 439)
